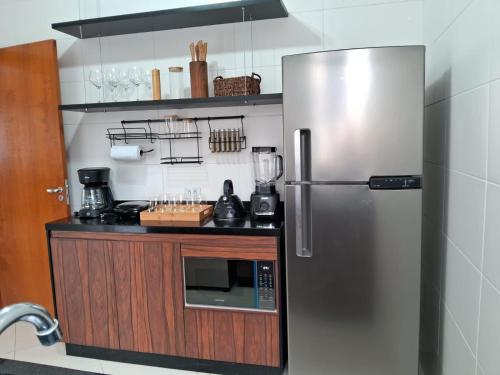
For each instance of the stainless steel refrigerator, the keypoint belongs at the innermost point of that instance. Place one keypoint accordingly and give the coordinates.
(353, 164)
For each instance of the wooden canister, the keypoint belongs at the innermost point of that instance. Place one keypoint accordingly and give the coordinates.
(155, 79)
(199, 79)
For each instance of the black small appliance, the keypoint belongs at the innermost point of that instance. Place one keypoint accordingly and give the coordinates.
(97, 197)
(131, 210)
(268, 167)
(229, 206)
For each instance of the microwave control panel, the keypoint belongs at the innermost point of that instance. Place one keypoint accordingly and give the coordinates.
(265, 285)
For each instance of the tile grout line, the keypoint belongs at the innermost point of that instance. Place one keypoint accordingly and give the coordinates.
(465, 256)
(382, 3)
(485, 202)
(463, 92)
(455, 322)
(452, 22)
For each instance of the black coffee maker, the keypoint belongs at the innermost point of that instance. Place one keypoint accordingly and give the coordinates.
(96, 194)
(268, 167)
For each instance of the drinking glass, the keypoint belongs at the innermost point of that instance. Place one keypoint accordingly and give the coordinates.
(148, 86)
(188, 197)
(181, 203)
(137, 76)
(168, 202)
(197, 198)
(112, 78)
(153, 203)
(126, 86)
(95, 77)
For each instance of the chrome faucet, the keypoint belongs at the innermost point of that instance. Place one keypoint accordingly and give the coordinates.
(47, 329)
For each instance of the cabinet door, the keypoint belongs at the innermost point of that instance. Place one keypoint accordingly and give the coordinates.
(241, 337)
(120, 294)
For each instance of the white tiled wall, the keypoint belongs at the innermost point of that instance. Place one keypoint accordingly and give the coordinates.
(312, 25)
(461, 259)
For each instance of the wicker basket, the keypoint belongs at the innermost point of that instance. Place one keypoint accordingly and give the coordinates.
(237, 86)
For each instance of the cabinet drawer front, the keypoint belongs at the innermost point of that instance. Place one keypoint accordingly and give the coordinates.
(248, 248)
(232, 337)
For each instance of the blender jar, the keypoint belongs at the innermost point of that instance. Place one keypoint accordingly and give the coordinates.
(268, 166)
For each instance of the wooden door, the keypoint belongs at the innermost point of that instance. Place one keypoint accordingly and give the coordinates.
(120, 294)
(32, 160)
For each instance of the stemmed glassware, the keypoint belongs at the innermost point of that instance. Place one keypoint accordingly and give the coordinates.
(137, 76)
(126, 86)
(112, 78)
(121, 83)
(96, 78)
(148, 86)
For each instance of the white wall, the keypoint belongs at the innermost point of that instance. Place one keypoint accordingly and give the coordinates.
(461, 294)
(312, 25)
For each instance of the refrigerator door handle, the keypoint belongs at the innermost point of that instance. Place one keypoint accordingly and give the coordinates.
(302, 150)
(303, 213)
(303, 218)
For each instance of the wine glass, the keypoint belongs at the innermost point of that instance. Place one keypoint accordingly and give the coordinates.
(125, 86)
(112, 79)
(148, 86)
(137, 76)
(95, 77)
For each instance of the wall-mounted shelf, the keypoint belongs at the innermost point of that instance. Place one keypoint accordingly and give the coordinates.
(216, 101)
(178, 18)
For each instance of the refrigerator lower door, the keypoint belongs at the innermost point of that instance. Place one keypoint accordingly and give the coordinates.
(353, 280)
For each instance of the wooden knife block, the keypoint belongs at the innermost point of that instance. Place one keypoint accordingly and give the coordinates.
(199, 79)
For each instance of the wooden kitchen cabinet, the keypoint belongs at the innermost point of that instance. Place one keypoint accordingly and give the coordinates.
(240, 337)
(126, 292)
(119, 294)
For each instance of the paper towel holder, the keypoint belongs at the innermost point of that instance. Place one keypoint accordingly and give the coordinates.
(127, 133)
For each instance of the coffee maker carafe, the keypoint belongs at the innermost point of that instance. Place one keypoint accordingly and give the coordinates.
(96, 194)
(268, 167)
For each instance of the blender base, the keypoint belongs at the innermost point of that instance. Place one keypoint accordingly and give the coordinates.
(264, 206)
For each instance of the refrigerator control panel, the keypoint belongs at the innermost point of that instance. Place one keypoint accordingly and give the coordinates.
(395, 182)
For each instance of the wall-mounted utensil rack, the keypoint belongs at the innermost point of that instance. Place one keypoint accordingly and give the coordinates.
(127, 133)
(227, 140)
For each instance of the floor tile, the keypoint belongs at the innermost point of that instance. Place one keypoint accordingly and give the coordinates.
(7, 355)
(28, 349)
(117, 368)
(56, 356)
(7, 340)
(25, 336)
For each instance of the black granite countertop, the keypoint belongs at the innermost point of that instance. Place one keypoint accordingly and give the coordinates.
(244, 227)
(10, 367)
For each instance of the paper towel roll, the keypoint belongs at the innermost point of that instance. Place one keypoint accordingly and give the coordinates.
(127, 152)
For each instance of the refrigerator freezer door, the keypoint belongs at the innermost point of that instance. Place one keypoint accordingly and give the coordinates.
(363, 109)
(353, 301)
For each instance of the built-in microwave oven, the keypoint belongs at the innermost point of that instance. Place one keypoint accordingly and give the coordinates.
(229, 283)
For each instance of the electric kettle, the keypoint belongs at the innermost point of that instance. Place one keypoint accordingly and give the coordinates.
(229, 206)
